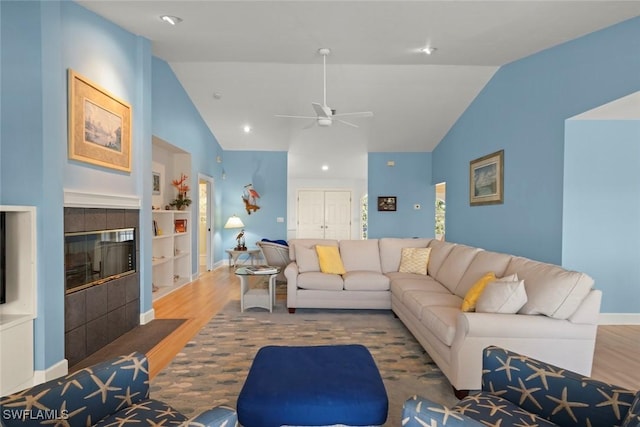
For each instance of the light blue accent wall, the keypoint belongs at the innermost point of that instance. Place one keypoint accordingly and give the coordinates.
(601, 211)
(267, 171)
(176, 121)
(410, 181)
(522, 110)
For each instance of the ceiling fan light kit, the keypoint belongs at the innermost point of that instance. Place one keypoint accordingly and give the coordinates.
(325, 114)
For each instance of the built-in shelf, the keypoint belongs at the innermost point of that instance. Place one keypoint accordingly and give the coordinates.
(19, 311)
(171, 258)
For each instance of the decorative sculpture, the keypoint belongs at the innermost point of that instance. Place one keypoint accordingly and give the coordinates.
(250, 198)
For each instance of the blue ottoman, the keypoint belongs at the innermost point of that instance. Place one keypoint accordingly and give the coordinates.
(312, 386)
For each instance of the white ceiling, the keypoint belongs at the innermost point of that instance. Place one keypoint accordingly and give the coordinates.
(261, 58)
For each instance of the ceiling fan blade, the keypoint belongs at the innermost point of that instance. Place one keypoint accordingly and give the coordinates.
(310, 125)
(347, 123)
(321, 111)
(294, 117)
(358, 114)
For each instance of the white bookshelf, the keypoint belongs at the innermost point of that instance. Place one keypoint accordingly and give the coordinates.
(18, 313)
(171, 259)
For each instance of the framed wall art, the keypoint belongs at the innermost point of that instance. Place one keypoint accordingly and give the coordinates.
(99, 125)
(387, 203)
(486, 179)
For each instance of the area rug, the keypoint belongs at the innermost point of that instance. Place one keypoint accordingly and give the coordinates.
(141, 339)
(212, 367)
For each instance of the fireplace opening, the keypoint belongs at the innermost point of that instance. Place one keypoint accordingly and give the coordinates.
(95, 257)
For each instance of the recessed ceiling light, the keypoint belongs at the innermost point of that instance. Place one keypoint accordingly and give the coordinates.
(246, 128)
(325, 168)
(428, 50)
(172, 20)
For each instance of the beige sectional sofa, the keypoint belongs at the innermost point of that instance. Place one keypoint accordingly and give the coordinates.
(557, 324)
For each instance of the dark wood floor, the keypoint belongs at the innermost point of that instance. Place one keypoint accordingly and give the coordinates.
(616, 357)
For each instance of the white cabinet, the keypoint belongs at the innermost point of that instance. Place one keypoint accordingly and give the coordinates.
(19, 311)
(171, 259)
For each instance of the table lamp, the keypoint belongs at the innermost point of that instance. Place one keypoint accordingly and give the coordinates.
(235, 222)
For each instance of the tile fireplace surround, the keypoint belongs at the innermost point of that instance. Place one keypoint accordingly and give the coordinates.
(97, 315)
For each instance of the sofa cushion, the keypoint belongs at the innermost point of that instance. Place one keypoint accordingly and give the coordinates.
(403, 282)
(441, 321)
(391, 251)
(320, 281)
(308, 243)
(365, 281)
(483, 262)
(307, 259)
(471, 298)
(414, 260)
(416, 301)
(506, 297)
(455, 265)
(330, 260)
(360, 255)
(439, 252)
(551, 290)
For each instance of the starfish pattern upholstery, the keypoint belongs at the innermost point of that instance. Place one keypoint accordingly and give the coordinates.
(521, 391)
(114, 393)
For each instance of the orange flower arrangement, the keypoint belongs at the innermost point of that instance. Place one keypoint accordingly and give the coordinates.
(181, 185)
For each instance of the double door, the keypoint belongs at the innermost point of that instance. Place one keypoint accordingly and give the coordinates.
(324, 214)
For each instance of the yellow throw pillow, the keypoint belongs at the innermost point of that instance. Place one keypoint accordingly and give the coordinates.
(329, 259)
(414, 260)
(471, 298)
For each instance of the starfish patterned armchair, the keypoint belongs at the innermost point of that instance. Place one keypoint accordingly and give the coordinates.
(111, 393)
(520, 391)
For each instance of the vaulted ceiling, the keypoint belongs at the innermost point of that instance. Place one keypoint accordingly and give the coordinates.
(242, 62)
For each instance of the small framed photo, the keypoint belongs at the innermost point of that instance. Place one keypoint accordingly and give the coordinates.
(157, 179)
(486, 179)
(387, 203)
(180, 225)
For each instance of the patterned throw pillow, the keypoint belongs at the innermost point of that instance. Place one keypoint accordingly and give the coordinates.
(414, 260)
(470, 299)
(329, 259)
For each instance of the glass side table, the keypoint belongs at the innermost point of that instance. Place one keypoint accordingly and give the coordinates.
(257, 297)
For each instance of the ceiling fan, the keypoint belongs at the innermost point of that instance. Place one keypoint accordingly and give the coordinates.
(325, 114)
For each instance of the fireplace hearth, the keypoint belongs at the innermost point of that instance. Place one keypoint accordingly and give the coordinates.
(102, 283)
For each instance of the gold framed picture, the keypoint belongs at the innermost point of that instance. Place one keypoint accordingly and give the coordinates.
(486, 179)
(99, 125)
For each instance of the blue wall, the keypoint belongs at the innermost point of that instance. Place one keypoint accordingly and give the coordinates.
(176, 120)
(522, 110)
(601, 224)
(410, 181)
(267, 171)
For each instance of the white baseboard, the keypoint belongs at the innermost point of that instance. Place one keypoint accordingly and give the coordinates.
(619, 319)
(147, 317)
(58, 370)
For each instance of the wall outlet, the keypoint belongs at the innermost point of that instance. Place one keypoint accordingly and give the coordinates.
(417, 206)
(279, 219)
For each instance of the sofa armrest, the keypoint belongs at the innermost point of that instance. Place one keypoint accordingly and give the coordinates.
(220, 416)
(418, 411)
(558, 395)
(291, 273)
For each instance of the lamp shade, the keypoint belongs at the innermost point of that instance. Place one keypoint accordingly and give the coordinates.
(234, 222)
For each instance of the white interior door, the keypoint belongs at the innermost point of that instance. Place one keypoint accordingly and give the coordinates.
(337, 215)
(205, 220)
(310, 214)
(324, 214)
